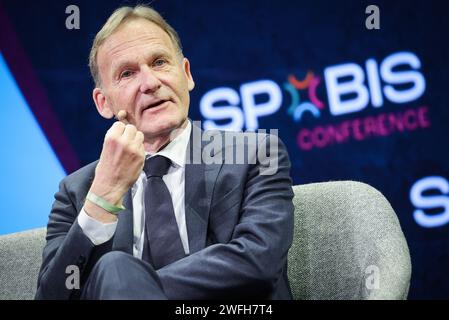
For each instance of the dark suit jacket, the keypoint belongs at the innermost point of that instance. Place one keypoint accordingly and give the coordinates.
(239, 225)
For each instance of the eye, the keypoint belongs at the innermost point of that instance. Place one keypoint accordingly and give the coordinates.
(159, 62)
(126, 74)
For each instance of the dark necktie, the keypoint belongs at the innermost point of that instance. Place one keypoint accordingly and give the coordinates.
(162, 244)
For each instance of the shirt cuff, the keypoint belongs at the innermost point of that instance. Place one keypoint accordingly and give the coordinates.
(97, 232)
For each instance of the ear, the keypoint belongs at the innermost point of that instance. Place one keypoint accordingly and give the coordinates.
(186, 66)
(102, 104)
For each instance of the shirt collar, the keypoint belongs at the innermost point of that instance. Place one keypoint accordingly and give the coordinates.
(176, 149)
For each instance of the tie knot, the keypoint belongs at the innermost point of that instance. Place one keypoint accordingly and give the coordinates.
(156, 166)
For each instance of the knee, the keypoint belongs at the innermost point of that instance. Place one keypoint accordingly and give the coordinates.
(112, 262)
(114, 257)
(121, 264)
(119, 275)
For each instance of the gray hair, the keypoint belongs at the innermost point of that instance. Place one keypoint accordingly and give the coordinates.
(119, 17)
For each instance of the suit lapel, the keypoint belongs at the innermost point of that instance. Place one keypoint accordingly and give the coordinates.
(123, 237)
(199, 184)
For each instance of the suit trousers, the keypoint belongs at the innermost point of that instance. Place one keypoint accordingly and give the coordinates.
(120, 276)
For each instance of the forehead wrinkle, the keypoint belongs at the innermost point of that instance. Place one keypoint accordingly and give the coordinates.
(136, 41)
(129, 37)
(151, 46)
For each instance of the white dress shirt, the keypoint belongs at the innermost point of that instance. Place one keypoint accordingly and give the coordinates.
(99, 232)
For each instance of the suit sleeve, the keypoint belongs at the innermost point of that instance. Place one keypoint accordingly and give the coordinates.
(250, 264)
(66, 245)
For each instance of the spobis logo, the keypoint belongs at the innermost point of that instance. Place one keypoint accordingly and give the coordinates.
(430, 197)
(350, 89)
(373, 93)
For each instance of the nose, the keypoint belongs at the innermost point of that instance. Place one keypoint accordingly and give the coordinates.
(149, 82)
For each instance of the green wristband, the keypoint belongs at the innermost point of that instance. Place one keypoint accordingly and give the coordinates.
(102, 203)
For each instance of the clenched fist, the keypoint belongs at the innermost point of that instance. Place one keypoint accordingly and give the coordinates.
(120, 164)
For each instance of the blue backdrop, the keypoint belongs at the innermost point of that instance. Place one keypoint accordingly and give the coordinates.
(350, 103)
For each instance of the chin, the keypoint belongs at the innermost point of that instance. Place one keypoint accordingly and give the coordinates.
(162, 127)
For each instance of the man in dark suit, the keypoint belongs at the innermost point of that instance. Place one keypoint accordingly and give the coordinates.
(165, 213)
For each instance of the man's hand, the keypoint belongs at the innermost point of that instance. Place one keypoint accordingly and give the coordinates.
(121, 162)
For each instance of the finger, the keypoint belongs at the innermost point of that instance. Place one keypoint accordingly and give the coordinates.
(122, 116)
(139, 138)
(129, 133)
(142, 150)
(116, 130)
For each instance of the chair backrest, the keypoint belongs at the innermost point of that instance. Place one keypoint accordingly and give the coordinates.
(348, 244)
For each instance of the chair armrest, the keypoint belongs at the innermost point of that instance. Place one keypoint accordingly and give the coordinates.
(20, 260)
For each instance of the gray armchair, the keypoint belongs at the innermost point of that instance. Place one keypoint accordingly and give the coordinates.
(348, 244)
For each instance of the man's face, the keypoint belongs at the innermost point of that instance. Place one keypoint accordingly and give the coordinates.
(141, 72)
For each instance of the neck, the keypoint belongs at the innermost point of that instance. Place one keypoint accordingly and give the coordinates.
(156, 143)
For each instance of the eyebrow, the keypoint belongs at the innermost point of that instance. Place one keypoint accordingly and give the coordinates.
(116, 66)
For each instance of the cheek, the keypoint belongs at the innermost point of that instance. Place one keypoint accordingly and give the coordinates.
(183, 90)
(126, 96)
